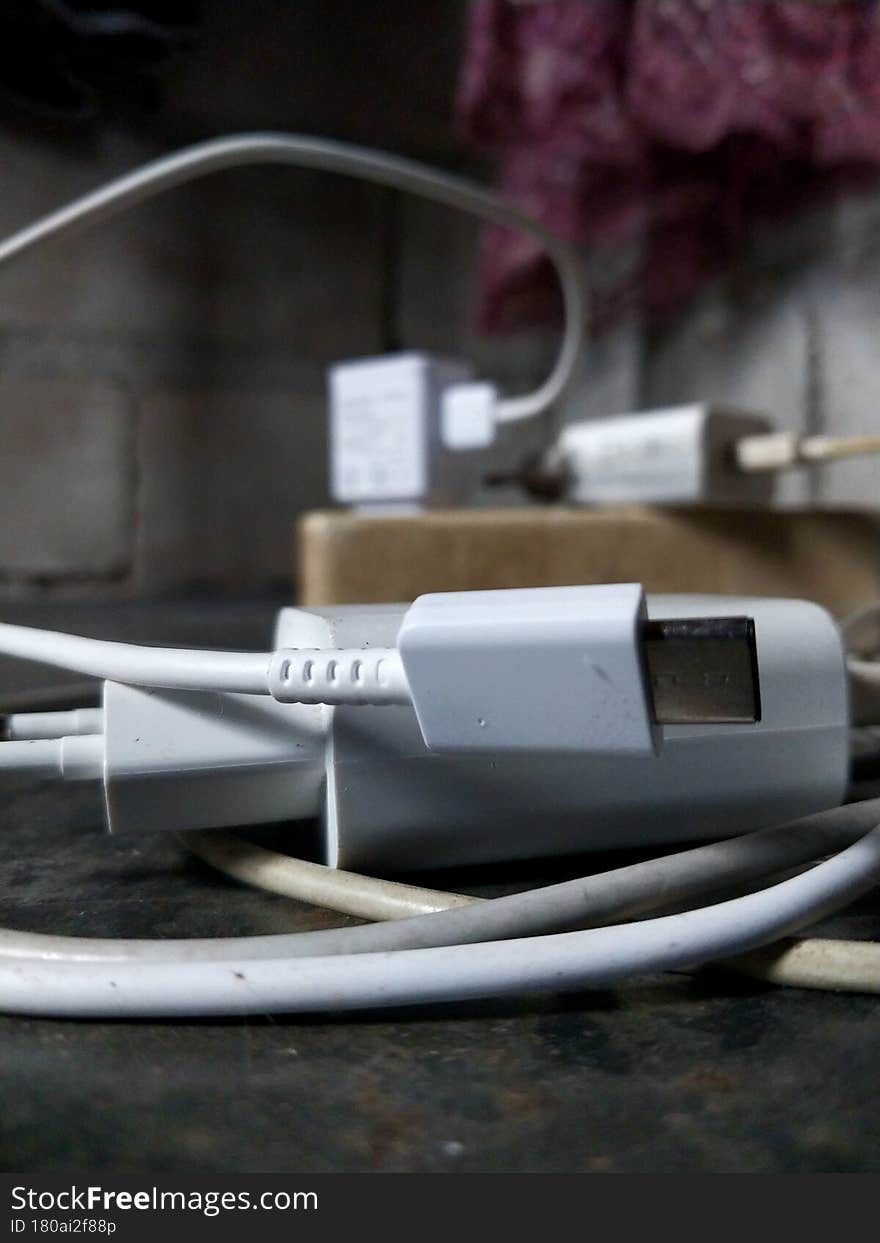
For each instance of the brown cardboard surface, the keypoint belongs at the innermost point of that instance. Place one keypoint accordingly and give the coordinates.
(831, 556)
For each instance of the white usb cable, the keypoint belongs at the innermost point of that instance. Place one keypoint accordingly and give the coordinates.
(294, 676)
(302, 151)
(616, 670)
(596, 958)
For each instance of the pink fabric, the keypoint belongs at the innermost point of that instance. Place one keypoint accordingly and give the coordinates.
(679, 122)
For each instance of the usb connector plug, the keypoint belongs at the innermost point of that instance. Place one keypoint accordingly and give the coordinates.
(570, 669)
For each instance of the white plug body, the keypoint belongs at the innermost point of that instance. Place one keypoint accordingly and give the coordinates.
(682, 455)
(183, 760)
(193, 759)
(541, 669)
(407, 429)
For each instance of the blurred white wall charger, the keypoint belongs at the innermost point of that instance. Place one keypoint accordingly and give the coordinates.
(407, 428)
(680, 455)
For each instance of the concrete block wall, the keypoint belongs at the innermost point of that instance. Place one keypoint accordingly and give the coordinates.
(162, 380)
(794, 332)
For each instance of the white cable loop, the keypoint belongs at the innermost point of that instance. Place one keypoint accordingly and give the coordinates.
(336, 157)
(597, 958)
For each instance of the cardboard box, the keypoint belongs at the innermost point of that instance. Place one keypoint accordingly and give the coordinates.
(831, 556)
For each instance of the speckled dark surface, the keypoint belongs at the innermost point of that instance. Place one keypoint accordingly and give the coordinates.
(706, 1073)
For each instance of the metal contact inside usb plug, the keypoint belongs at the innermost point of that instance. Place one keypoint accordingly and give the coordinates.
(702, 670)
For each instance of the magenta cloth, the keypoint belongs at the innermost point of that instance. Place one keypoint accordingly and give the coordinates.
(676, 122)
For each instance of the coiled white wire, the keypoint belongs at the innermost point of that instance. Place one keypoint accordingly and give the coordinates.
(596, 958)
(312, 971)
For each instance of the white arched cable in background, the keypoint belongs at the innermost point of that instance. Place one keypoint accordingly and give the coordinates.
(302, 151)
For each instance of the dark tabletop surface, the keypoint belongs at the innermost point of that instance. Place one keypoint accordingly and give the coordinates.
(675, 1073)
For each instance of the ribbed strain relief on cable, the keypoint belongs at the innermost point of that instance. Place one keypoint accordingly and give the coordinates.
(338, 676)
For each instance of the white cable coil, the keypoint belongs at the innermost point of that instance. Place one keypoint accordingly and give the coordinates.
(73, 975)
(596, 958)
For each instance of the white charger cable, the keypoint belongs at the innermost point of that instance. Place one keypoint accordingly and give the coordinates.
(304, 151)
(279, 983)
(250, 757)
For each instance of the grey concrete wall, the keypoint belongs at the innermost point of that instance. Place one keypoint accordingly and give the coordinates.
(162, 378)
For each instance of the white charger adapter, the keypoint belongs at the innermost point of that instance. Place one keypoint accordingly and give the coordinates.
(407, 429)
(732, 729)
(680, 455)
